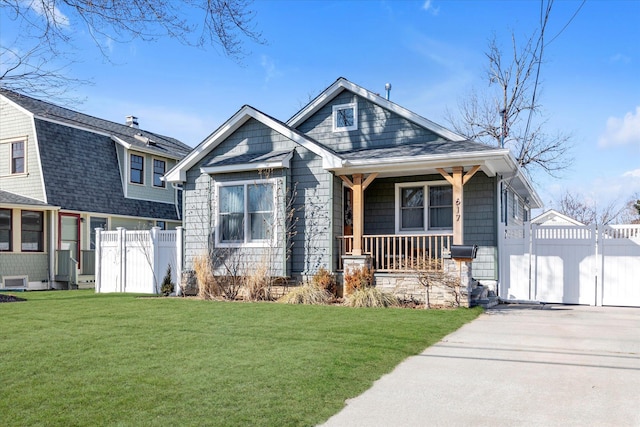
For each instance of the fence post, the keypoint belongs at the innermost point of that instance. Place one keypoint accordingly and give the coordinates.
(98, 259)
(179, 237)
(528, 241)
(122, 256)
(153, 258)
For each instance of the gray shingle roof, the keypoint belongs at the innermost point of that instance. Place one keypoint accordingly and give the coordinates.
(81, 173)
(417, 150)
(15, 199)
(164, 144)
(249, 158)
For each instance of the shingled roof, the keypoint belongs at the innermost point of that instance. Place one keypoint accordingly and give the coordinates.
(164, 145)
(80, 164)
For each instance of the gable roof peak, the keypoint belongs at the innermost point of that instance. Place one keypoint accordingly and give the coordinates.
(342, 84)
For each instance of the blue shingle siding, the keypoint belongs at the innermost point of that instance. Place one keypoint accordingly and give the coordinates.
(81, 173)
(377, 127)
(311, 184)
(480, 216)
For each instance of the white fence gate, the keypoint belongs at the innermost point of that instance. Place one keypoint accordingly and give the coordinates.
(136, 261)
(571, 264)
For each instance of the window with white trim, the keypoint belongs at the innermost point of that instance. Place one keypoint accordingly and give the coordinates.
(136, 167)
(345, 117)
(246, 214)
(159, 168)
(424, 206)
(17, 157)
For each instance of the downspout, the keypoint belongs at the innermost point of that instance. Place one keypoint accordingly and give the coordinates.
(502, 218)
(177, 188)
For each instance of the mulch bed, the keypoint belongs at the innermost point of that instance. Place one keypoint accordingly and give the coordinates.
(10, 298)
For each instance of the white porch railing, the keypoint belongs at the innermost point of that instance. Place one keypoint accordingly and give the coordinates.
(398, 253)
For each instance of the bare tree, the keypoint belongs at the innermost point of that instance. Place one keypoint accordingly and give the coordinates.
(631, 211)
(49, 30)
(509, 114)
(587, 211)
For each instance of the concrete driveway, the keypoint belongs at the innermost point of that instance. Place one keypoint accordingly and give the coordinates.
(516, 366)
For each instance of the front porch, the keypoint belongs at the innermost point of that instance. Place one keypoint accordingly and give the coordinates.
(394, 253)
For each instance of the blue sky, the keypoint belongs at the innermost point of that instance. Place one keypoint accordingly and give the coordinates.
(432, 52)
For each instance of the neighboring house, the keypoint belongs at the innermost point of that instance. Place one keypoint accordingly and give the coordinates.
(364, 177)
(553, 217)
(63, 174)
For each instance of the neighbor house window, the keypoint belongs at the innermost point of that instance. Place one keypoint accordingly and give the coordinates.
(246, 212)
(137, 169)
(17, 157)
(32, 231)
(96, 222)
(5, 230)
(345, 117)
(159, 167)
(424, 206)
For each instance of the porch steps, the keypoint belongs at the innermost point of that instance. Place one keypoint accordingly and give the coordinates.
(482, 296)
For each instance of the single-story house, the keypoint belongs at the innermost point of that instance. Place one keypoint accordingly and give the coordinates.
(352, 175)
(62, 175)
(553, 217)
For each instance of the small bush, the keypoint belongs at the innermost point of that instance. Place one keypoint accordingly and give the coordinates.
(324, 279)
(307, 294)
(207, 285)
(370, 297)
(359, 278)
(257, 283)
(167, 285)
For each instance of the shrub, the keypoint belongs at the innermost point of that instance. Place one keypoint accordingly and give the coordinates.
(207, 285)
(307, 294)
(324, 279)
(258, 283)
(370, 297)
(358, 278)
(167, 285)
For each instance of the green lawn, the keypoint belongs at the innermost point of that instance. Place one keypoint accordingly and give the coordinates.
(75, 358)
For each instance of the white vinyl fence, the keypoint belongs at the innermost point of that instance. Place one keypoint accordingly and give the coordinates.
(137, 261)
(571, 264)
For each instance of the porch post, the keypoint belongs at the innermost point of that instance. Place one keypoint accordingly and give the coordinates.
(357, 187)
(358, 214)
(457, 181)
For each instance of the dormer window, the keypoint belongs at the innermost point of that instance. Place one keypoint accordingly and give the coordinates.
(345, 117)
(136, 175)
(17, 157)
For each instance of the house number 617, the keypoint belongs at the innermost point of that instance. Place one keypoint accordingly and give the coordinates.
(457, 210)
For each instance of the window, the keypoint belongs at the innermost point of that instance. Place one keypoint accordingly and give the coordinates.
(32, 231)
(137, 169)
(161, 225)
(96, 222)
(245, 212)
(424, 206)
(345, 117)
(17, 157)
(5, 230)
(159, 167)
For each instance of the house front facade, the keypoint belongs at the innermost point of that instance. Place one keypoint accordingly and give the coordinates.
(350, 175)
(62, 175)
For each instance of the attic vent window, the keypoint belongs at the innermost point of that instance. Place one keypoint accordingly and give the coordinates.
(345, 117)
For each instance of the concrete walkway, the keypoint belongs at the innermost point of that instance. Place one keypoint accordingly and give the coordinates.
(516, 366)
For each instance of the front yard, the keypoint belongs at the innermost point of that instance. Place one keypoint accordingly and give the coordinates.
(75, 358)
